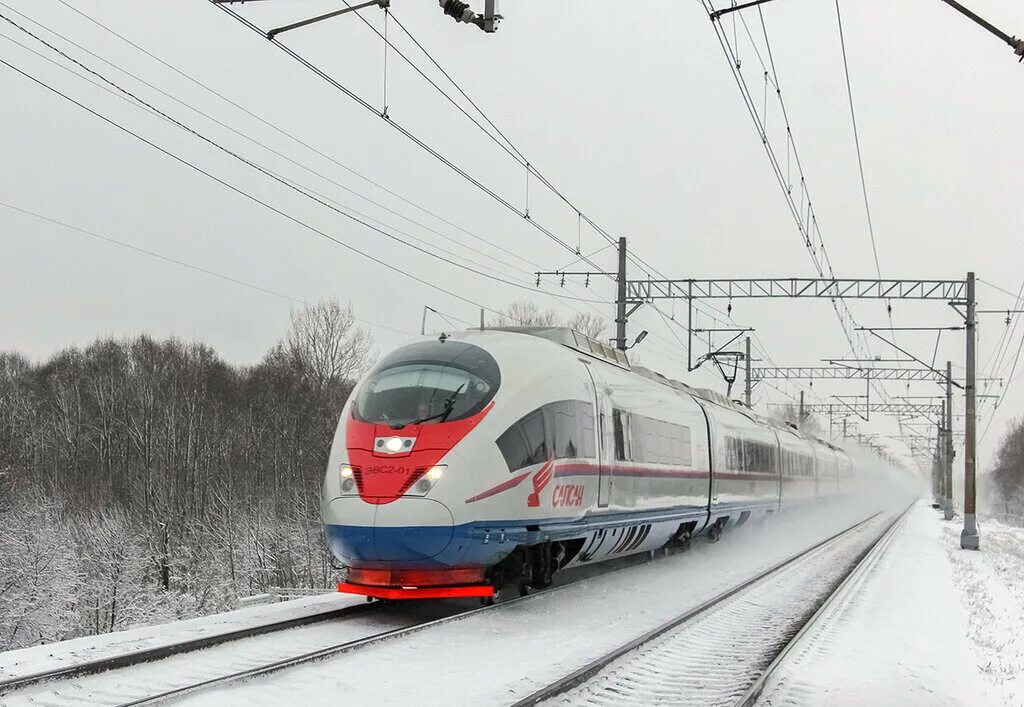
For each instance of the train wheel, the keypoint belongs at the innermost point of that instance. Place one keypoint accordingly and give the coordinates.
(494, 598)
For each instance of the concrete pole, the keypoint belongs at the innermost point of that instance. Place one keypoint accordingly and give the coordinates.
(801, 407)
(948, 457)
(969, 535)
(939, 466)
(620, 301)
(746, 392)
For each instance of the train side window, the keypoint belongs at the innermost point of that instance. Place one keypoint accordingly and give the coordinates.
(525, 443)
(585, 420)
(564, 432)
(665, 451)
(513, 447)
(619, 433)
(685, 446)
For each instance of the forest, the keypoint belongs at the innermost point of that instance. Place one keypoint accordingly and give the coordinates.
(1007, 478)
(144, 481)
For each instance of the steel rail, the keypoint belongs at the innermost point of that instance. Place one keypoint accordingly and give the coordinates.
(126, 660)
(131, 659)
(754, 691)
(348, 646)
(588, 671)
(336, 649)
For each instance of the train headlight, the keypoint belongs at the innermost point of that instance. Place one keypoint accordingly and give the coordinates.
(394, 444)
(348, 479)
(426, 482)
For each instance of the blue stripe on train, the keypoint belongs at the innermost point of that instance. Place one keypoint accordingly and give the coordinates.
(488, 542)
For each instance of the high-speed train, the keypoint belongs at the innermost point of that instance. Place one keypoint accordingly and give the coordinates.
(485, 459)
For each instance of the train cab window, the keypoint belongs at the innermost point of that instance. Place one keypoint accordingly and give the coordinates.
(428, 383)
(559, 430)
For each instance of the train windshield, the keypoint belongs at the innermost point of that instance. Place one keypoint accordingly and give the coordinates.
(428, 383)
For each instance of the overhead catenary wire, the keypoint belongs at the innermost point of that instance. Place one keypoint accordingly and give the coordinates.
(807, 224)
(263, 170)
(184, 264)
(589, 220)
(564, 300)
(240, 191)
(530, 168)
(401, 129)
(291, 136)
(525, 284)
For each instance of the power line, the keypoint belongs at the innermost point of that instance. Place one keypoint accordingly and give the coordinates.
(523, 284)
(802, 213)
(856, 141)
(239, 190)
(153, 110)
(419, 142)
(310, 147)
(263, 170)
(291, 136)
(187, 265)
(524, 161)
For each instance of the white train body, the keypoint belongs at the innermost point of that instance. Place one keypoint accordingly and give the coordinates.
(501, 455)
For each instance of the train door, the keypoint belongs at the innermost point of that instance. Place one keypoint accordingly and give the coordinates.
(602, 408)
(780, 459)
(715, 457)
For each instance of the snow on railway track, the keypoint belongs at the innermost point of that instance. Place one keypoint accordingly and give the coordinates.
(488, 655)
(137, 678)
(720, 652)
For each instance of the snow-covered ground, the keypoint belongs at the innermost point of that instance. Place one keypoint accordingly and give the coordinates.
(498, 657)
(990, 584)
(925, 624)
(26, 661)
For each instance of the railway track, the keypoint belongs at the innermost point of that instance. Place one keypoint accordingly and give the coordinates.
(723, 651)
(126, 660)
(53, 685)
(153, 675)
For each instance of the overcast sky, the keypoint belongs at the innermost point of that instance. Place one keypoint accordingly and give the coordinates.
(630, 109)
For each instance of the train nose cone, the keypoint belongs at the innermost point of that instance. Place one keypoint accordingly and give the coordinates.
(412, 529)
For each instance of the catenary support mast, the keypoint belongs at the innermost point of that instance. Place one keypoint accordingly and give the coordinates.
(969, 535)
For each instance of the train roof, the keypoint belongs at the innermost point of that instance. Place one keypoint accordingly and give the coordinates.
(582, 343)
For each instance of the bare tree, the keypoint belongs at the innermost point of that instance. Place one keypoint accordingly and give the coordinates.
(526, 313)
(1008, 473)
(326, 340)
(590, 324)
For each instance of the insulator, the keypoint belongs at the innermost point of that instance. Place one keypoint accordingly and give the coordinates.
(459, 10)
